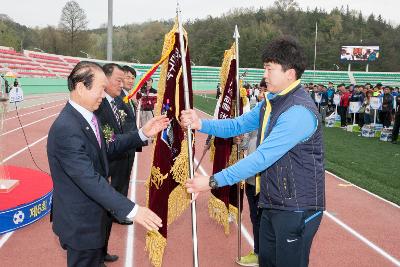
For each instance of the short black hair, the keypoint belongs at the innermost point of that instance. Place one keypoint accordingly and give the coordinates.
(340, 85)
(129, 69)
(109, 68)
(263, 83)
(286, 52)
(82, 72)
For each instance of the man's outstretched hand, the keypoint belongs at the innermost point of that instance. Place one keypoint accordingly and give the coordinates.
(147, 219)
(155, 125)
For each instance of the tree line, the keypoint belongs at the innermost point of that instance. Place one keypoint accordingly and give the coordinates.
(209, 37)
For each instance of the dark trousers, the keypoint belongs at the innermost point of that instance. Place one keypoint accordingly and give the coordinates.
(83, 258)
(286, 237)
(108, 232)
(343, 114)
(255, 214)
(120, 172)
(396, 126)
(385, 118)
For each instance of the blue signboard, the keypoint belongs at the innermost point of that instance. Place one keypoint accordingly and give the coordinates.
(24, 215)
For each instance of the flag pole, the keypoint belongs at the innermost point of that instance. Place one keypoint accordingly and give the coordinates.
(315, 45)
(239, 219)
(189, 136)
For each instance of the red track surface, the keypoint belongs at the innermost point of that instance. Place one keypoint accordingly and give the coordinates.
(36, 245)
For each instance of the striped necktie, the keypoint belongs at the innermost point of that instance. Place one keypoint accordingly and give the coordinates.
(115, 111)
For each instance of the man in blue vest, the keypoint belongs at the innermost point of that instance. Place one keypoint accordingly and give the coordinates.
(289, 159)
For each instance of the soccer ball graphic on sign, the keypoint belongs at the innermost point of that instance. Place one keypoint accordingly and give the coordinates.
(18, 217)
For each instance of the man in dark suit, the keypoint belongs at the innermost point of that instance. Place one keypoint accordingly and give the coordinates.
(77, 154)
(116, 115)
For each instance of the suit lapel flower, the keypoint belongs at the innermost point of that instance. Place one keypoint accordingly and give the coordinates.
(122, 115)
(108, 133)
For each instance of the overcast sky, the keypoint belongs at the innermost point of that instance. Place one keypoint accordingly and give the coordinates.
(47, 12)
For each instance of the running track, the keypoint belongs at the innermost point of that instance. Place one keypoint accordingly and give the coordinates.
(358, 229)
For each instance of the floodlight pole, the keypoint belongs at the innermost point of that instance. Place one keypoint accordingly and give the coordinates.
(109, 30)
(315, 45)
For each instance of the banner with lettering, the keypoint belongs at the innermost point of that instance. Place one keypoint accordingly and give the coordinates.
(166, 194)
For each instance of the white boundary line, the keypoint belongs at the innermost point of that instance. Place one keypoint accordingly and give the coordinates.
(6, 236)
(366, 191)
(130, 248)
(23, 149)
(362, 189)
(29, 113)
(363, 239)
(44, 103)
(29, 124)
(245, 232)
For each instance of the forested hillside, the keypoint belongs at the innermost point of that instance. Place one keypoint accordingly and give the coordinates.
(209, 37)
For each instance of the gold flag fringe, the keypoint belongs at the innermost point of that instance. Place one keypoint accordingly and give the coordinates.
(155, 245)
(233, 211)
(178, 201)
(219, 212)
(226, 64)
(180, 170)
(212, 150)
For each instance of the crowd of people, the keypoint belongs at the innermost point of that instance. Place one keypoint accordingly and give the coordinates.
(388, 98)
(386, 113)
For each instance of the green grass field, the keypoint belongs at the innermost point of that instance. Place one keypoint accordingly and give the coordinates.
(366, 162)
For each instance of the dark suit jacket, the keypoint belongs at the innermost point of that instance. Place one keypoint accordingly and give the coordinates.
(131, 122)
(82, 194)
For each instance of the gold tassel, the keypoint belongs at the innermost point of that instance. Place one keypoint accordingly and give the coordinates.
(155, 245)
(233, 211)
(212, 150)
(219, 212)
(178, 201)
(233, 156)
(243, 95)
(180, 170)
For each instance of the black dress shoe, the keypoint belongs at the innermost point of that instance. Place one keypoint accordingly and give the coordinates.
(110, 258)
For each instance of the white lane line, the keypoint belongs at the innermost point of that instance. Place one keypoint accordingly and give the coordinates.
(23, 149)
(29, 113)
(366, 191)
(4, 238)
(130, 249)
(363, 239)
(245, 232)
(35, 105)
(29, 124)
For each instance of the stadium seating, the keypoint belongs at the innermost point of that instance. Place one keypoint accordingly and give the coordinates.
(36, 64)
(389, 79)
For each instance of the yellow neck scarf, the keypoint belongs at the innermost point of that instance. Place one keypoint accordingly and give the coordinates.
(268, 109)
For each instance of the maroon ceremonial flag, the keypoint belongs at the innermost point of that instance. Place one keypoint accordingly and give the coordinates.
(167, 196)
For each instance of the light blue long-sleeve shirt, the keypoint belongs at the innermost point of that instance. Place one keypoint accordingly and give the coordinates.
(292, 127)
